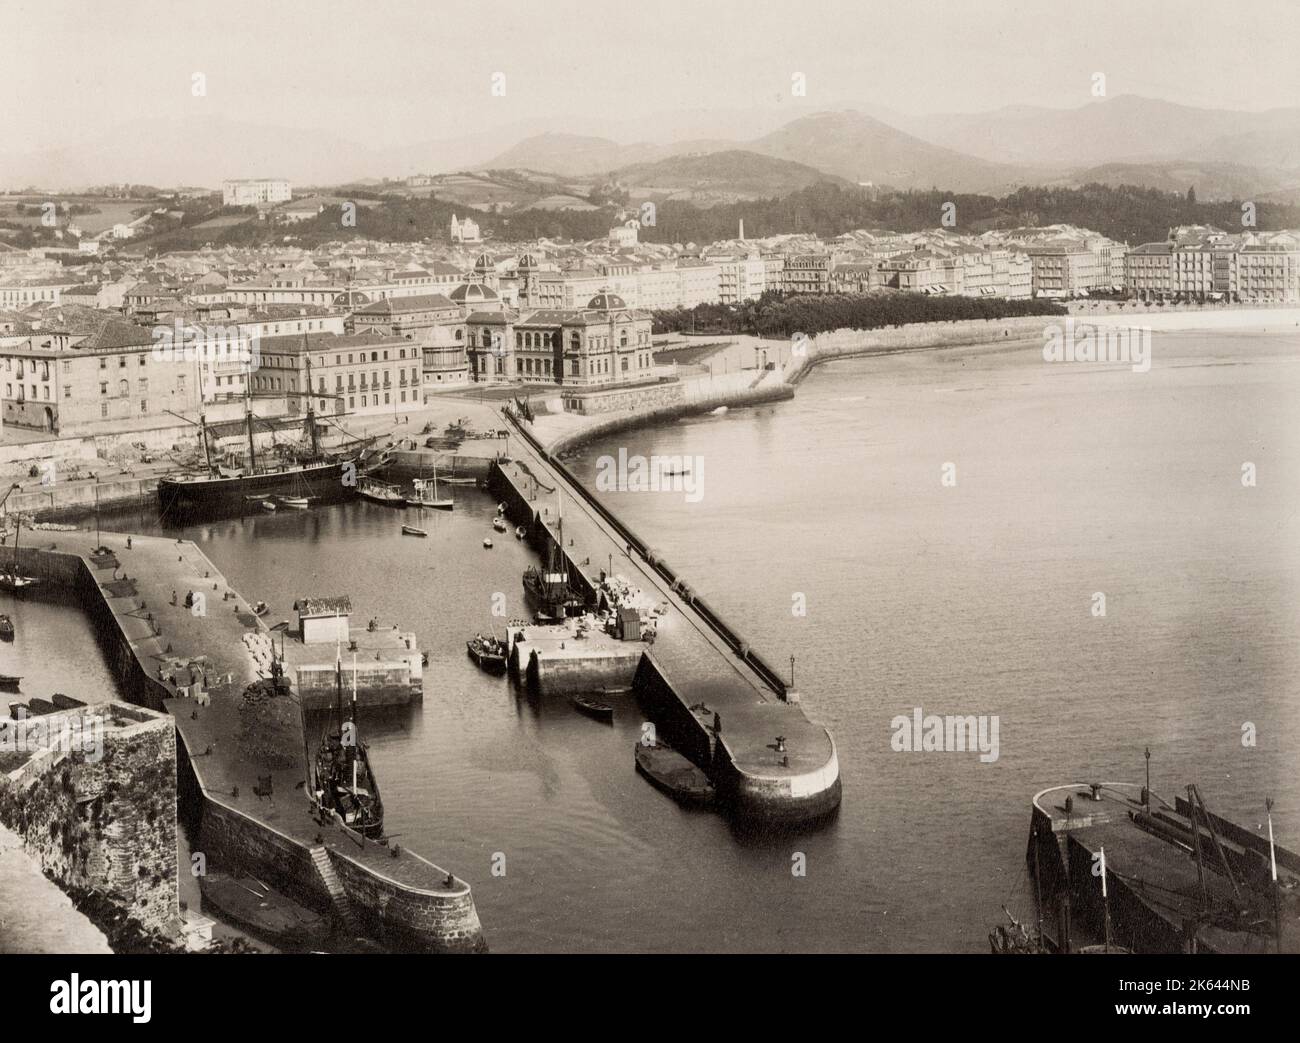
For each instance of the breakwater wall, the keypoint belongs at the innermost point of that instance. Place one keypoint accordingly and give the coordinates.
(77, 499)
(653, 403)
(734, 639)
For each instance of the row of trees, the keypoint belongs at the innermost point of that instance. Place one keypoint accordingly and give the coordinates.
(778, 315)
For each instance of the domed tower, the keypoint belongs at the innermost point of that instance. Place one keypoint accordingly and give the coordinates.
(485, 271)
(527, 272)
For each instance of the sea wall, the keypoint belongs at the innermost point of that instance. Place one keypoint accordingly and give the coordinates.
(407, 918)
(847, 343)
(377, 684)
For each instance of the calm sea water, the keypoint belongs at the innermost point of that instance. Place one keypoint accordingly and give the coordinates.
(970, 599)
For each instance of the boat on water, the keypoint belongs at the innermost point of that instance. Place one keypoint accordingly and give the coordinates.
(548, 587)
(261, 608)
(426, 495)
(6, 628)
(411, 530)
(11, 580)
(487, 542)
(459, 479)
(341, 786)
(10, 683)
(301, 472)
(488, 652)
(375, 491)
(520, 532)
(499, 524)
(593, 707)
(671, 773)
(296, 503)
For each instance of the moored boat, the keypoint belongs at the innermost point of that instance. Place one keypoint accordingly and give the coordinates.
(487, 542)
(593, 708)
(488, 652)
(426, 495)
(411, 530)
(10, 683)
(342, 786)
(520, 532)
(381, 492)
(671, 773)
(6, 628)
(499, 524)
(295, 503)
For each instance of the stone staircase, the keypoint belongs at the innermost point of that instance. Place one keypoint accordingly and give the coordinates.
(339, 899)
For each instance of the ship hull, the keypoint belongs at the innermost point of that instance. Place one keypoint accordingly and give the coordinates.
(199, 500)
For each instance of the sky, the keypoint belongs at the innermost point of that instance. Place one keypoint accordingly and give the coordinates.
(385, 71)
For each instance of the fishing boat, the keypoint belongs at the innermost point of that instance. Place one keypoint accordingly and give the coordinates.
(305, 471)
(593, 708)
(520, 532)
(487, 542)
(380, 492)
(454, 479)
(499, 524)
(488, 653)
(6, 628)
(10, 579)
(10, 683)
(411, 530)
(671, 773)
(342, 786)
(549, 588)
(426, 495)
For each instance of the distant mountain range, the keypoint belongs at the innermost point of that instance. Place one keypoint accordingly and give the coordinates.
(1126, 139)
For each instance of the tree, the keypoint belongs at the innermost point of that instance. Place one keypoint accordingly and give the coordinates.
(1191, 195)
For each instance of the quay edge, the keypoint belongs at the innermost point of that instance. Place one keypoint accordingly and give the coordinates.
(402, 901)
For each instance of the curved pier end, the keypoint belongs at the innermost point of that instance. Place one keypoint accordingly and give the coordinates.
(756, 779)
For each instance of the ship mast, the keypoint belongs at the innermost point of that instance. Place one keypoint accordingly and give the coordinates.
(203, 439)
(248, 422)
(311, 413)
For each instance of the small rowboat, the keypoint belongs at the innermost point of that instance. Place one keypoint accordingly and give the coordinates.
(487, 542)
(520, 532)
(260, 609)
(9, 682)
(16, 584)
(499, 524)
(268, 505)
(295, 503)
(593, 708)
(411, 530)
(6, 628)
(453, 480)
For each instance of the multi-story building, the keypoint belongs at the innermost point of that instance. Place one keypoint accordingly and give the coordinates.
(807, 273)
(409, 317)
(22, 293)
(254, 191)
(350, 373)
(1269, 271)
(1149, 271)
(606, 342)
(741, 277)
(1063, 268)
(701, 282)
(72, 380)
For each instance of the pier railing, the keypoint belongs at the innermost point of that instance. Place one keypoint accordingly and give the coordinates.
(710, 616)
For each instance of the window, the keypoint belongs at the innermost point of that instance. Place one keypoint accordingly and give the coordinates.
(103, 409)
(144, 405)
(121, 362)
(142, 360)
(123, 387)
(67, 391)
(103, 363)
(103, 388)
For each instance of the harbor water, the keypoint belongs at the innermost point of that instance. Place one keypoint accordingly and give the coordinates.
(830, 528)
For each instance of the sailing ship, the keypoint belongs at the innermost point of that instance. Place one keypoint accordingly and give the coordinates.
(549, 588)
(426, 495)
(309, 474)
(10, 579)
(342, 786)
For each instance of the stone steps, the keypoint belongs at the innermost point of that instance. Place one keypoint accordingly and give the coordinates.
(338, 894)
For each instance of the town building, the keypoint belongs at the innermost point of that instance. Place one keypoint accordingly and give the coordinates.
(256, 191)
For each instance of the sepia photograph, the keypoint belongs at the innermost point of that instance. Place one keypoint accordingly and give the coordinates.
(714, 478)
